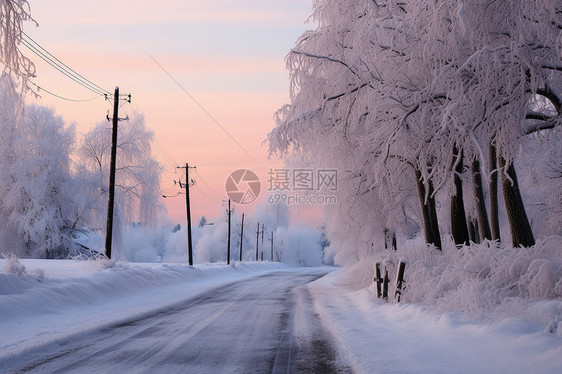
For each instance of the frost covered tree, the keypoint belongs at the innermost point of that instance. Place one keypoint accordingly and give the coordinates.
(39, 198)
(494, 60)
(421, 100)
(12, 15)
(36, 185)
(11, 111)
(350, 94)
(137, 193)
(202, 222)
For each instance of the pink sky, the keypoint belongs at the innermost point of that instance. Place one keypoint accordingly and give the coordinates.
(229, 55)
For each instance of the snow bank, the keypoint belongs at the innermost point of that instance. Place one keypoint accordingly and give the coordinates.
(484, 279)
(10, 284)
(377, 337)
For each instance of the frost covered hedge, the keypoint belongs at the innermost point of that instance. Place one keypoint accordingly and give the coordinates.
(481, 279)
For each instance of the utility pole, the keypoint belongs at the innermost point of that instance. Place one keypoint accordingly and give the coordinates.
(228, 242)
(272, 246)
(188, 208)
(257, 241)
(241, 236)
(262, 234)
(111, 198)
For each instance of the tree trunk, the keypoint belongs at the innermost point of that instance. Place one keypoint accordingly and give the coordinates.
(473, 231)
(482, 215)
(433, 217)
(494, 216)
(424, 209)
(429, 214)
(521, 232)
(458, 214)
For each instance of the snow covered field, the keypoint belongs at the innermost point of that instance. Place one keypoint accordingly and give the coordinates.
(55, 302)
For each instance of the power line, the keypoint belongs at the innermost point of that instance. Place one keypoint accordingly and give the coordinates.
(207, 196)
(169, 175)
(165, 159)
(40, 88)
(57, 64)
(207, 185)
(201, 106)
(147, 148)
(67, 68)
(165, 154)
(168, 189)
(59, 68)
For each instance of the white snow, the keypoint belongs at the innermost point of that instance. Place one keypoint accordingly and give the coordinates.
(377, 337)
(56, 301)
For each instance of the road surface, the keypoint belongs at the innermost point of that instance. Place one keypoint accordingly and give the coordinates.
(265, 324)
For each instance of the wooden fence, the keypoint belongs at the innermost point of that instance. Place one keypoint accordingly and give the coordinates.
(382, 279)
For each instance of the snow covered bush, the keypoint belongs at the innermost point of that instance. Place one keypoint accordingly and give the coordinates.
(480, 279)
(13, 266)
(162, 243)
(299, 245)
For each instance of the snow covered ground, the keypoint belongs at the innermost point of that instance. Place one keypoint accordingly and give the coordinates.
(377, 337)
(55, 302)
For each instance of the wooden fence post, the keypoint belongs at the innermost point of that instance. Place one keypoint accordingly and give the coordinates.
(385, 284)
(378, 279)
(400, 280)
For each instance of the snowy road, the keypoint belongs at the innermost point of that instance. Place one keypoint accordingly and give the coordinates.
(265, 324)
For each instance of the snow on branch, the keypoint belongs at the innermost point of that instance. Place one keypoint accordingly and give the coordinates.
(12, 15)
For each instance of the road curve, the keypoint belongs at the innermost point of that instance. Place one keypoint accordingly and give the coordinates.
(264, 324)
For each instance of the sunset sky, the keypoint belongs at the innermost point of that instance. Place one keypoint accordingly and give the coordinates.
(175, 58)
